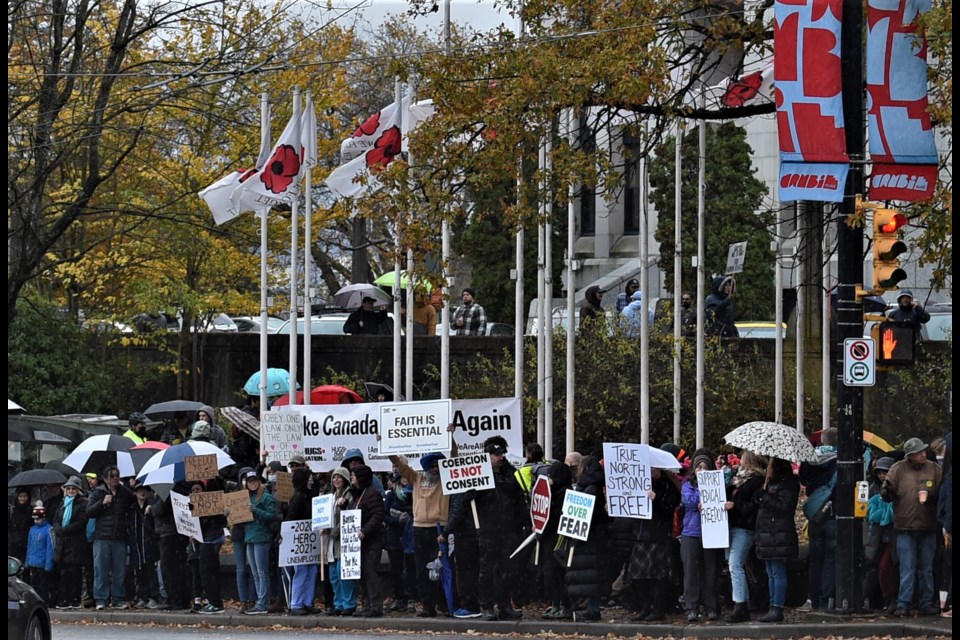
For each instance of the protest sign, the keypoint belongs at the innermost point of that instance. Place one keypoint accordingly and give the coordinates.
(576, 515)
(321, 510)
(237, 504)
(299, 544)
(713, 517)
(207, 503)
(283, 486)
(350, 544)
(187, 524)
(540, 504)
(627, 470)
(281, 434)
(414, 427)
(330, 430)
(201, 467)
(463, 473)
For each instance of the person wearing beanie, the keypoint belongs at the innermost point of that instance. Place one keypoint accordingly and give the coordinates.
(470, 319)
(913, 486)
(624, 298)
(39, 561)
(344, 601)
(819, 479)
(430, 508)
(880, 579)
(365, 498)
(70, 529)
(700, 566)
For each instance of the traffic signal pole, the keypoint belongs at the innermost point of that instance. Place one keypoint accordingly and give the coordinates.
(849, 589)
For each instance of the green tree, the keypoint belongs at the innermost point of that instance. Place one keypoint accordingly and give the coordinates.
(733, 213)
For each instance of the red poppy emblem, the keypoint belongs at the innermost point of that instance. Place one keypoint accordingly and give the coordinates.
(385, 149)
(281, 169)
(741, 91)
(369, 127)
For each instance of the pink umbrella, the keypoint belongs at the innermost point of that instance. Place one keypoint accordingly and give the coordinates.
(143, 452)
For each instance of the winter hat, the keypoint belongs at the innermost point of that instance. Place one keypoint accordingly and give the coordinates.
(905, 293)
(637, 295)
(633, 282)
(702, 458)
(201, 429)
(350, 455)
(74, 481)
(342, 472)
(914, 445)
(675, 450)
(430, 460)
(884, 463)
(470, 291)
(364, 475)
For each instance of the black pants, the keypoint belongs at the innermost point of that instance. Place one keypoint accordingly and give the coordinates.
(466, 558)
(554, 573)
(425, 549)
(396, 574)
(369, 579)
(173, 565)
(71, 583)
(146, 586)
(498, 574)
(210, 573)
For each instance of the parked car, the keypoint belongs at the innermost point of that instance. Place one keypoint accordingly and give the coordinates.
(492, 329)
(938, 329)
(329, 324)
(760, 330)
(27, 615)
(247, 324)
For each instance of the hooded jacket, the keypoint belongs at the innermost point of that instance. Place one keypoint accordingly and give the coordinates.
(719, 310)
(591, 308)
(217, 435)
(300, 506)
(365, 498)
(632, 315)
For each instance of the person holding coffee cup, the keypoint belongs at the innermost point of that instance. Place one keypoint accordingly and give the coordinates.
(912, 485)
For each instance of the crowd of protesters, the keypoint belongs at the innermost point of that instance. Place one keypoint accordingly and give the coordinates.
(109, 542)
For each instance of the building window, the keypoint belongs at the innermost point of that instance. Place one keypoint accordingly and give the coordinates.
(588, 195)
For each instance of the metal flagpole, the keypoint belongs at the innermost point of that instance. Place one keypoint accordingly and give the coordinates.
(264, 125)
(548, 295)
(397, 371)
(571, 291)
(307, 271)
(644, 316)
(677, 282)
(445, 259)
(294, 241)
(701, 224)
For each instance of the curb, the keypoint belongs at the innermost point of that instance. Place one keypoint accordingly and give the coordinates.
(747, 630)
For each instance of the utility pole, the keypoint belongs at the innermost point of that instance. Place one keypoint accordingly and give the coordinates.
(849, 591)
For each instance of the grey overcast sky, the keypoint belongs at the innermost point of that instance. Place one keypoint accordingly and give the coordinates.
(479, 14)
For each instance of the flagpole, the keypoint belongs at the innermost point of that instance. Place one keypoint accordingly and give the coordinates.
(701, 224)
(644, 315)
(408, 387)
(571, 292)
(307, 270)
(542, 307)
(548, 294)
(397, 371)
(677, 280)
(294, 241)
(264, 126)
(445, 258)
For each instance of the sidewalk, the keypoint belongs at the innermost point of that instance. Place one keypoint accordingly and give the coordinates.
(614, 622)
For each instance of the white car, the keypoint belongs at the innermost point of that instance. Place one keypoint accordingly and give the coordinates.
(329, 324)
(246, 324)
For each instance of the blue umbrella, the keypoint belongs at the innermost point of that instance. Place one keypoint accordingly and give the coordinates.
(446, 573)
(278, 383)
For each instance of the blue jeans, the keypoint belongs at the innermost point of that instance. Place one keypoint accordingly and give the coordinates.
(777, 581)
(246, 585)
(915, 551)
(258, 557)
(302, 590)
(109, 571)
(823, 563)
(740, 542)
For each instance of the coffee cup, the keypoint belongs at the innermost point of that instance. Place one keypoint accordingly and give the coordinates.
(923, 496)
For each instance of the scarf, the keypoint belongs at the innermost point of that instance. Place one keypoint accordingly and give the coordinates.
(67, 509)
(743, 474)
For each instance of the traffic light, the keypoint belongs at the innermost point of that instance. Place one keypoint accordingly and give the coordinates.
(895, 342)
(887, 248)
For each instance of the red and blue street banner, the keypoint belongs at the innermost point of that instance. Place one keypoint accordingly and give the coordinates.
(901, 141)
(808, 92)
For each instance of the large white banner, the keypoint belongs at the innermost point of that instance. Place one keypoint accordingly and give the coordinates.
(627, 470)
(414, 427)
(329, 430)
(299, 544)
(713, 517)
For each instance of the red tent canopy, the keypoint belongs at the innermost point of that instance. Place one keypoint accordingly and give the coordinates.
(324, 394)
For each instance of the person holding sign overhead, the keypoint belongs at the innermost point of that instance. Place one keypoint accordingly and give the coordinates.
(430, 508)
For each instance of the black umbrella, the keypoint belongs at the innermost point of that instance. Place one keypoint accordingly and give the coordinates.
(36, 478)
(170, 408)
(375, 388)
(57, 465)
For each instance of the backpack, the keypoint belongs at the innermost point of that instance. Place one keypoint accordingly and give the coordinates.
(817, 507)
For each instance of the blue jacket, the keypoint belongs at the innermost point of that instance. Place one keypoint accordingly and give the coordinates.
(264, 512)
(40, 547)
(690, 499)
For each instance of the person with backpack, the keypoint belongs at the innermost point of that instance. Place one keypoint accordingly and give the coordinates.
(819, 480)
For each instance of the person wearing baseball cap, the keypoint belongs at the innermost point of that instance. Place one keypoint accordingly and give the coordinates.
(592, 308)
(913, 485)
(365, 320)
(296, 462)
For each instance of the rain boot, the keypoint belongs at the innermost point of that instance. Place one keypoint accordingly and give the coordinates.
(740, 613)
(775, 614)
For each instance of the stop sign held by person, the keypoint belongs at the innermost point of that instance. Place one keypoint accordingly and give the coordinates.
(540, 504)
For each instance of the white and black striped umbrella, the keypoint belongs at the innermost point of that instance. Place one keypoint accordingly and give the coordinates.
(772, 439)
(96, 453)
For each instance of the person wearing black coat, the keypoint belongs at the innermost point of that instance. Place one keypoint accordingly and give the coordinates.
(776, 540)
(110, 504)
(173, 552)
(742, 506)
(652, 570)
(208, 552)
(502, 512)
(303, 585)
(366, 498)
(466, 555)
(589, 575)
(18, 525)
(553, 571)
(143, 550)
(71, 548)
(398, 541)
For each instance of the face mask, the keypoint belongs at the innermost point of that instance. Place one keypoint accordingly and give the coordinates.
(271, 478)
(401, 492)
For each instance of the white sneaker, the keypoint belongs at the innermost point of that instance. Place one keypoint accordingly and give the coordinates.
(806, 607)
(101, 606)
(152, 604)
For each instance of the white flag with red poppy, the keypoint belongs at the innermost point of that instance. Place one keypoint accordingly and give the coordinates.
(749, 88)
(373, 146)
(278, 181)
